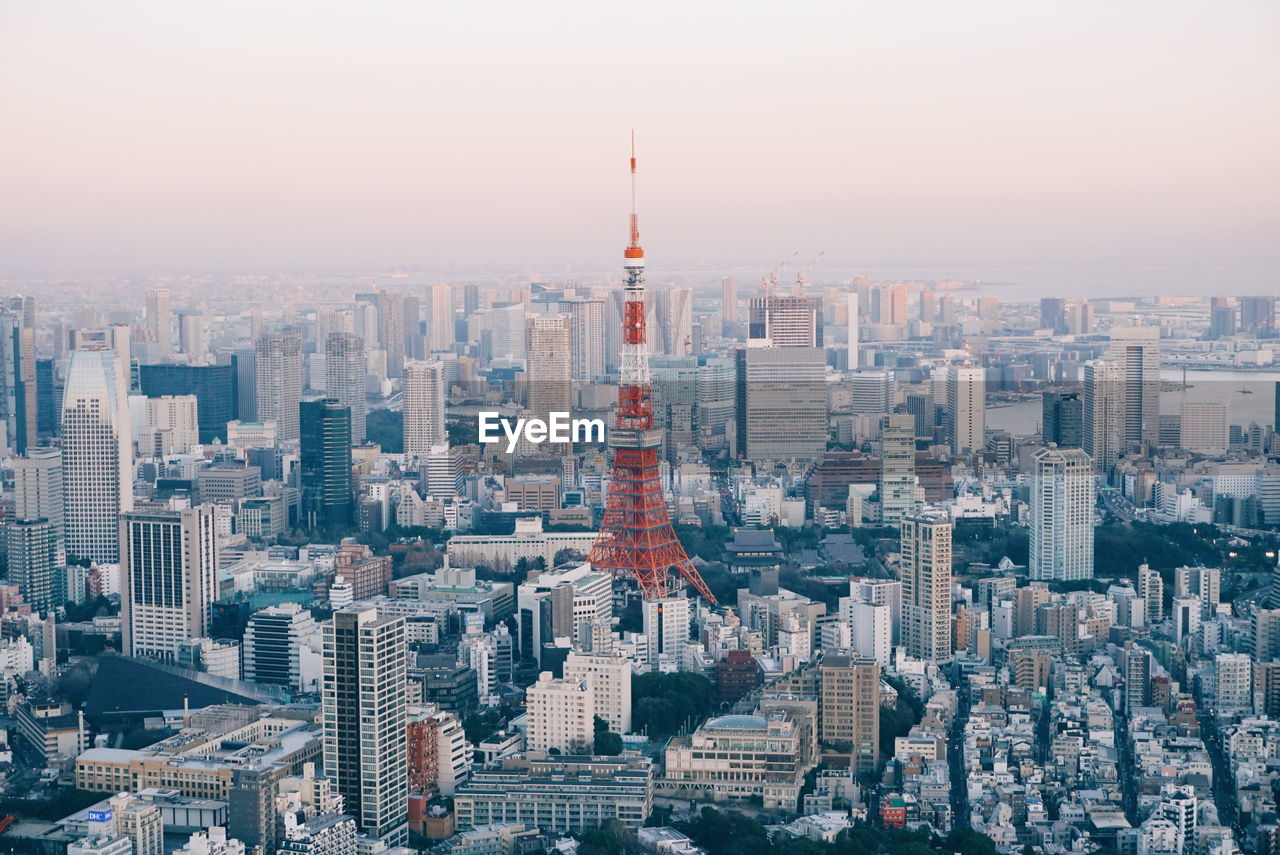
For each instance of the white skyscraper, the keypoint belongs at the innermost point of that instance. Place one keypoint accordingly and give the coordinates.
(966, 409)
(38, 491)
(1135, 350)
(1100, 427)
(871, 628)
(424, 408)
(561, 714)
(851, 325)
(160, 321)
(440, 317)
(278, 361)
(169, 578)
(172, 425)
(897, 468)
(609, 676)
(666, 624)
(587, 337)
(674, 310)
(345, 368)
(97, 478)
(549, 365)
(1062, 498)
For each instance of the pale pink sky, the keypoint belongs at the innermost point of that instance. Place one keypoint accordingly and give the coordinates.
(162, 136)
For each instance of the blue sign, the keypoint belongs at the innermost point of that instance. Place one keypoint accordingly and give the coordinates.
(99, 816)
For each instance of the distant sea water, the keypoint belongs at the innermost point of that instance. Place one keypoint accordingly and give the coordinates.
(1031, 283)
(1206, 387)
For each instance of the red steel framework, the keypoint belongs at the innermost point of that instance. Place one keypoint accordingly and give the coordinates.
(636, 538)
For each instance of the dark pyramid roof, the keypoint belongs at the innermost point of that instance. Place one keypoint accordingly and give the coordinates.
(124, 685)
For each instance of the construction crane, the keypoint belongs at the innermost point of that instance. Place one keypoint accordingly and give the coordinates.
(767, 283)
(800, 275)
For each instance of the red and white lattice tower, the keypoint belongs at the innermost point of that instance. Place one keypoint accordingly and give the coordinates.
(636, 538)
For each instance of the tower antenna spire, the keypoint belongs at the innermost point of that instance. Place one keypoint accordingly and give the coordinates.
(633, 248)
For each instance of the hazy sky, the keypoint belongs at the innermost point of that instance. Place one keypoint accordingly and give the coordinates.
(173, 136)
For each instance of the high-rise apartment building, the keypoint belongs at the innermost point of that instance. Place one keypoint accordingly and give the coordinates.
(849, 709)
(424, 408)
(363, 704)
(926, 585)
(278, 364)
(966, 409)
(160, 321)
(1062, 500)
(345, 367)
(33, 560)
(586, 337)
(897, 468)
(1100, 432)
(1203, 428)
(440, 317)
(729, 299)
(609, 676)
(173, 425)
(324, 470)
(169, 578)
(561, 715)
(97, 477)
(1151, 589)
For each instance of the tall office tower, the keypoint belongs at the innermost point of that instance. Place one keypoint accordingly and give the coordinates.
(851, 329)
(423, 408)
(873, 391)
(17, 383)
(176, 419)
(1151, 589)
(1137, 678)
(278, 370)
(782, 402)
(890, 304)
(277, 647)
(586, 337)
(1062, 499)
(1100, 430)
(1053, 314)
(1079, 317)
(33, 558)
(345, 368)
(38, 489)
(1063, 419)
(1258, 315)
(443, 471)
(48, 397)
(898, 468)
(946, 310)
(169, 574)
(785, 321)
(716, 400)
(324, 470)
(729, 299)
(363, 704)
(928, 307)
(440, 317)
(470, 299)
(925, 413)
(216, 388)
(414, 347)
(1222, 319)
(849, 709)
(609, 676)
(966, 409)
(926, 585)
(160, 321)
(549, 370)
(988, 309)
(1203, 429)
(673, 308)
(98, 481)
(1135, 351)
(192, 338)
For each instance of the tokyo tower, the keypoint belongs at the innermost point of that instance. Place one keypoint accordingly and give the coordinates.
(636, 538)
